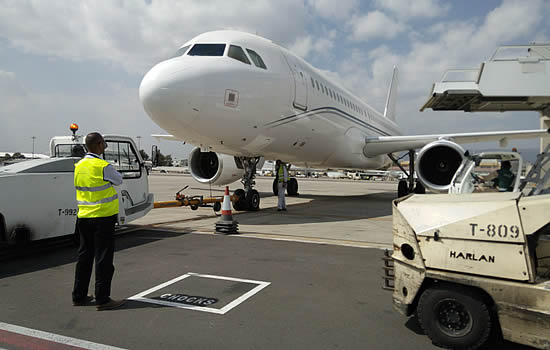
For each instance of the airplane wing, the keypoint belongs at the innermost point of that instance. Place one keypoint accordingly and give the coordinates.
(377, 145)
(166, 137)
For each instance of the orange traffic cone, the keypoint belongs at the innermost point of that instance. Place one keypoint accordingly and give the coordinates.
(226, 225)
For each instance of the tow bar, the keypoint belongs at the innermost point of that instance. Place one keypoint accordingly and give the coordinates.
(194, 202)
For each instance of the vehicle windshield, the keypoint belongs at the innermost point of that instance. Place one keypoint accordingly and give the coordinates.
(69, 150)
(207, 50)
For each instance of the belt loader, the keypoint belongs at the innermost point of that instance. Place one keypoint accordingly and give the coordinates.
(476, 266)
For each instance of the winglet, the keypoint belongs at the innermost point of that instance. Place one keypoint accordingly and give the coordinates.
(389, 111)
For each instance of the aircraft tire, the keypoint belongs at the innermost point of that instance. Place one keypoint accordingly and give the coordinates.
(240, 203)
(253, 200)
(292, 187)
(419, 188)
(275, 188)
(402, 189)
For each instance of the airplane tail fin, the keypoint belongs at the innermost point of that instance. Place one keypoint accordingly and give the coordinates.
(389, 111)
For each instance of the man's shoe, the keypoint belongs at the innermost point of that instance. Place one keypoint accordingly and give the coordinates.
(111, 304)
(284, 209)
(279, 209)
(84, 301)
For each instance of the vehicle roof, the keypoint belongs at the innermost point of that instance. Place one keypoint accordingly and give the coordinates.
(50, 165)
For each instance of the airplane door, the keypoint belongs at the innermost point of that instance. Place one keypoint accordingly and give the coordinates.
(300, 83)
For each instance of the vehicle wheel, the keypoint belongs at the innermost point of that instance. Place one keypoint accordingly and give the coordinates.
(240, 203)
(275, 188)
(217, 206)
(292, 187)
(194, 206)
(402, 189)
(253, 200)
(419, 188)
(21, 237)
(456, 318)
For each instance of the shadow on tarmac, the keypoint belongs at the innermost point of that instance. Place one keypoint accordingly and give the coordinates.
(324, 209)
(40, 256)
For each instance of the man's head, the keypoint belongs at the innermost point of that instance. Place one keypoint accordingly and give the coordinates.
(277, 162)
(95, 143)
(505, 164)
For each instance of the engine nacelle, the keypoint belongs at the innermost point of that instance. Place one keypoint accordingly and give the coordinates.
(436, 164)
(214, 168)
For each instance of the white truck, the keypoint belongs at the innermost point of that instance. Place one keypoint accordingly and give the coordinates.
(473, 266)
(38, 198)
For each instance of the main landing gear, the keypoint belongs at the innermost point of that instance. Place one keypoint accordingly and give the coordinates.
(409, 185)
(249, 198)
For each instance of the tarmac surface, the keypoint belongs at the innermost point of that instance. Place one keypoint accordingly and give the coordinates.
(306, 278)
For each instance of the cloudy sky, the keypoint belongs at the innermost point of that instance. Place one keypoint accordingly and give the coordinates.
(82, 61)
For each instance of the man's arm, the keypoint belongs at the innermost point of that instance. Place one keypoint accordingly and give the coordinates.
(112, 175)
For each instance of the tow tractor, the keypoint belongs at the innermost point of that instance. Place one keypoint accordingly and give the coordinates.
(475, 266)
(38, 197)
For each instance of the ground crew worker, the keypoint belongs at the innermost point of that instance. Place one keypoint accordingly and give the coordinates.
(282, 178)
(503, 179)
(97, 203)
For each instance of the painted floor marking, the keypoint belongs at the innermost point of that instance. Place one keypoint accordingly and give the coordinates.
(55, 338)
(260, 285)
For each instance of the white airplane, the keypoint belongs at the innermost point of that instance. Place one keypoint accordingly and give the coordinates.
(241, 98)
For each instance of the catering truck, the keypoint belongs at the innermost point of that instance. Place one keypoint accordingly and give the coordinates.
(38, 198)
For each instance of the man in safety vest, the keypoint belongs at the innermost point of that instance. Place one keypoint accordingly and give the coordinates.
(97, 202)
(282, 178)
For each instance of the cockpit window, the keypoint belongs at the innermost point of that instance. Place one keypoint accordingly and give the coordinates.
(207, 50)
(181, 51)
(237, 53)
(256, 59)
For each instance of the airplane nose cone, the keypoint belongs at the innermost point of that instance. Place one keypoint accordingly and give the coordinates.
(171, 94)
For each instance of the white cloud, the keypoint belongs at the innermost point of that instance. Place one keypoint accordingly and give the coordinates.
(334, 10)
(406, 9)
(303, 46)
(375, 24)
(134, 34)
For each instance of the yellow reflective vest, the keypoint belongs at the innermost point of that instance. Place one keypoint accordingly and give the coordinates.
(281, 173)
(96, 198)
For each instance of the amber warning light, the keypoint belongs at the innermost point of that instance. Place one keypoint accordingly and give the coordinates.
(74, 128)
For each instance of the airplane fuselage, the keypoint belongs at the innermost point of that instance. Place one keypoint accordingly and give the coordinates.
(287, 110)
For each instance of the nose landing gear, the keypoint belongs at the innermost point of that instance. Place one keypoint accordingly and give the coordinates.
(248, 198)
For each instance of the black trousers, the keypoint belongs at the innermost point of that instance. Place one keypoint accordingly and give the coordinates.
(97, 240)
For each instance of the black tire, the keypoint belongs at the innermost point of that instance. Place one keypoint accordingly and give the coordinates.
(419, 188)
(240, 203)
(194, 206)
(217, 206)
(253, 200)
(455, 317)
(292, 187)
(275, 188)
(402, 189)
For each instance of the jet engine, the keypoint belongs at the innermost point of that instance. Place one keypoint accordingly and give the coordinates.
(214, 168)
(436, 164)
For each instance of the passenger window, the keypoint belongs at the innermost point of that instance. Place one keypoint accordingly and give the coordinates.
(237, 53)
(258, 62)
(317, 83)
(313, 83)
(123, 157)
(207, 50)
(181, 51)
